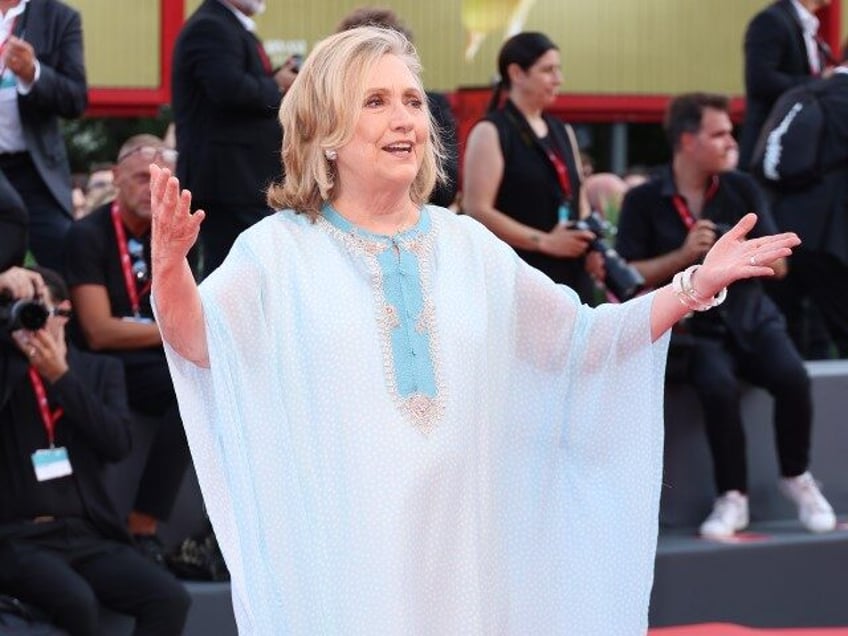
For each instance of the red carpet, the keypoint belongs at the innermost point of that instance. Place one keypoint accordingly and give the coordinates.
(726, 629)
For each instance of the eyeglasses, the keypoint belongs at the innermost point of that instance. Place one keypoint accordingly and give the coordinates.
(98, 185)
(150, 153)
(139, 266)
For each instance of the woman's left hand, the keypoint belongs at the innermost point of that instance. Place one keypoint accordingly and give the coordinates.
(734, 257)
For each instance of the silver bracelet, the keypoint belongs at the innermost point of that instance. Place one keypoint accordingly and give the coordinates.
(682, 287)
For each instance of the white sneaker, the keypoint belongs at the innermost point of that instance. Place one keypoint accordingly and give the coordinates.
(729, 515)
(813, 509)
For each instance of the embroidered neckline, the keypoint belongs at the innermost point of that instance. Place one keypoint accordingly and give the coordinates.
(422, 410)
(336, 219)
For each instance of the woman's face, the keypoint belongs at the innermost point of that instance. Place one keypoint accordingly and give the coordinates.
(391, 133)
(540, 83)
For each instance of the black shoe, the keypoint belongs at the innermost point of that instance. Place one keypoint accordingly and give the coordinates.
(151, 548)
(199, 558)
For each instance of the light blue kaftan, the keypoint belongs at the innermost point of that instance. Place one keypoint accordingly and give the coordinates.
(423, 435)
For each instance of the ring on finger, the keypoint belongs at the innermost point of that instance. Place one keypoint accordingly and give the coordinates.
(753, 261)
(32, 352)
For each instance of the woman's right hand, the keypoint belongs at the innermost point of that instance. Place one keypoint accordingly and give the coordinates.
(566, 242)
(175, 227)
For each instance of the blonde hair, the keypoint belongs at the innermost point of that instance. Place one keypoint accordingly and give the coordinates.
(320, 112)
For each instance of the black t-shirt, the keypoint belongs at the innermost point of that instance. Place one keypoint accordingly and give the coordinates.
(650, 226)
(92, 258)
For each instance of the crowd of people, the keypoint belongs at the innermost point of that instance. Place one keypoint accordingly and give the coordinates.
(348, 377)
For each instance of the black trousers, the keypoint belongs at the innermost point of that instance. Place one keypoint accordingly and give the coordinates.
(151, 392)
(822, 279)
(715, 368)
(48, 220)
(67, 569)
(221, 227)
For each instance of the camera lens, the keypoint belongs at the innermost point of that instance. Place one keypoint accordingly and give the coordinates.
(26, 314)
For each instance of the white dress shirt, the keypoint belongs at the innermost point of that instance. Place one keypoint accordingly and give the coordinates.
(810, 26)
(11, 132)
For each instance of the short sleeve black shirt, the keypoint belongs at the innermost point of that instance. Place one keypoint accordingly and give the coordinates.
(650, 226)
(92, 258)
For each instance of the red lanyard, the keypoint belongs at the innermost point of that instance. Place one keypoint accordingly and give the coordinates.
(126, 264)
(47, 416)
(683, 209)
(562, 173)
(6, 39)
(263, 55)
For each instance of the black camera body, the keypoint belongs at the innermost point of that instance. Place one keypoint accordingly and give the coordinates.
(24, 313)
(622, 280)
(721, 229)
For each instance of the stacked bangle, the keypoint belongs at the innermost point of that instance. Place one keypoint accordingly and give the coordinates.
(681, 284)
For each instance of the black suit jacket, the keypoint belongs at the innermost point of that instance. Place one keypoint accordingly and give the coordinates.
(13, 226)
(95, 426)
(819, 213)
(225, 106)
(445, 193)
(775, 61)
(55, 32)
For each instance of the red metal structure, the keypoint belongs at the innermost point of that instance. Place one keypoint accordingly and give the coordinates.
(131, 102)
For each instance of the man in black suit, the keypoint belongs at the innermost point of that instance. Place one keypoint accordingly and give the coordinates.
(818, 213)
(13, 226)
(42, 78)
(782, 50)
(225, 103)
(63, 415)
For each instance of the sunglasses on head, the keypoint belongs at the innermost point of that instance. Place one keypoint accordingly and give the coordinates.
(139, 265)
(150, 153)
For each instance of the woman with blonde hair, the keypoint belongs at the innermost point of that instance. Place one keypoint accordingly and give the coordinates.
(399, 427)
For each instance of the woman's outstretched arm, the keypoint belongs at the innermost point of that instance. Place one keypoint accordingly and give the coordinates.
(179, 312)
(732, 258)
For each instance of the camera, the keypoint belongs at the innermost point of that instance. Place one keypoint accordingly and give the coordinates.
(720, 229)
(622, 280)
(24, 313)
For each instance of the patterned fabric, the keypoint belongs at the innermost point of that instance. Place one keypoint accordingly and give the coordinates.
(530, 507)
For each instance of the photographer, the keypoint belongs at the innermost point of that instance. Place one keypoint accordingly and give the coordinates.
(670, 223)
(63, 414)
(522, 173)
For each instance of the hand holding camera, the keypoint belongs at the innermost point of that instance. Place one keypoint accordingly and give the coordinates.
(621, 279)
(566, 241)
(700, 239)
(20, 304)
(46, 352)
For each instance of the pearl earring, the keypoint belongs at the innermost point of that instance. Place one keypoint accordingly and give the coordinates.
(331, 154)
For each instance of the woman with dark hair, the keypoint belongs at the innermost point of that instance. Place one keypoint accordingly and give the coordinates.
(522, 174)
